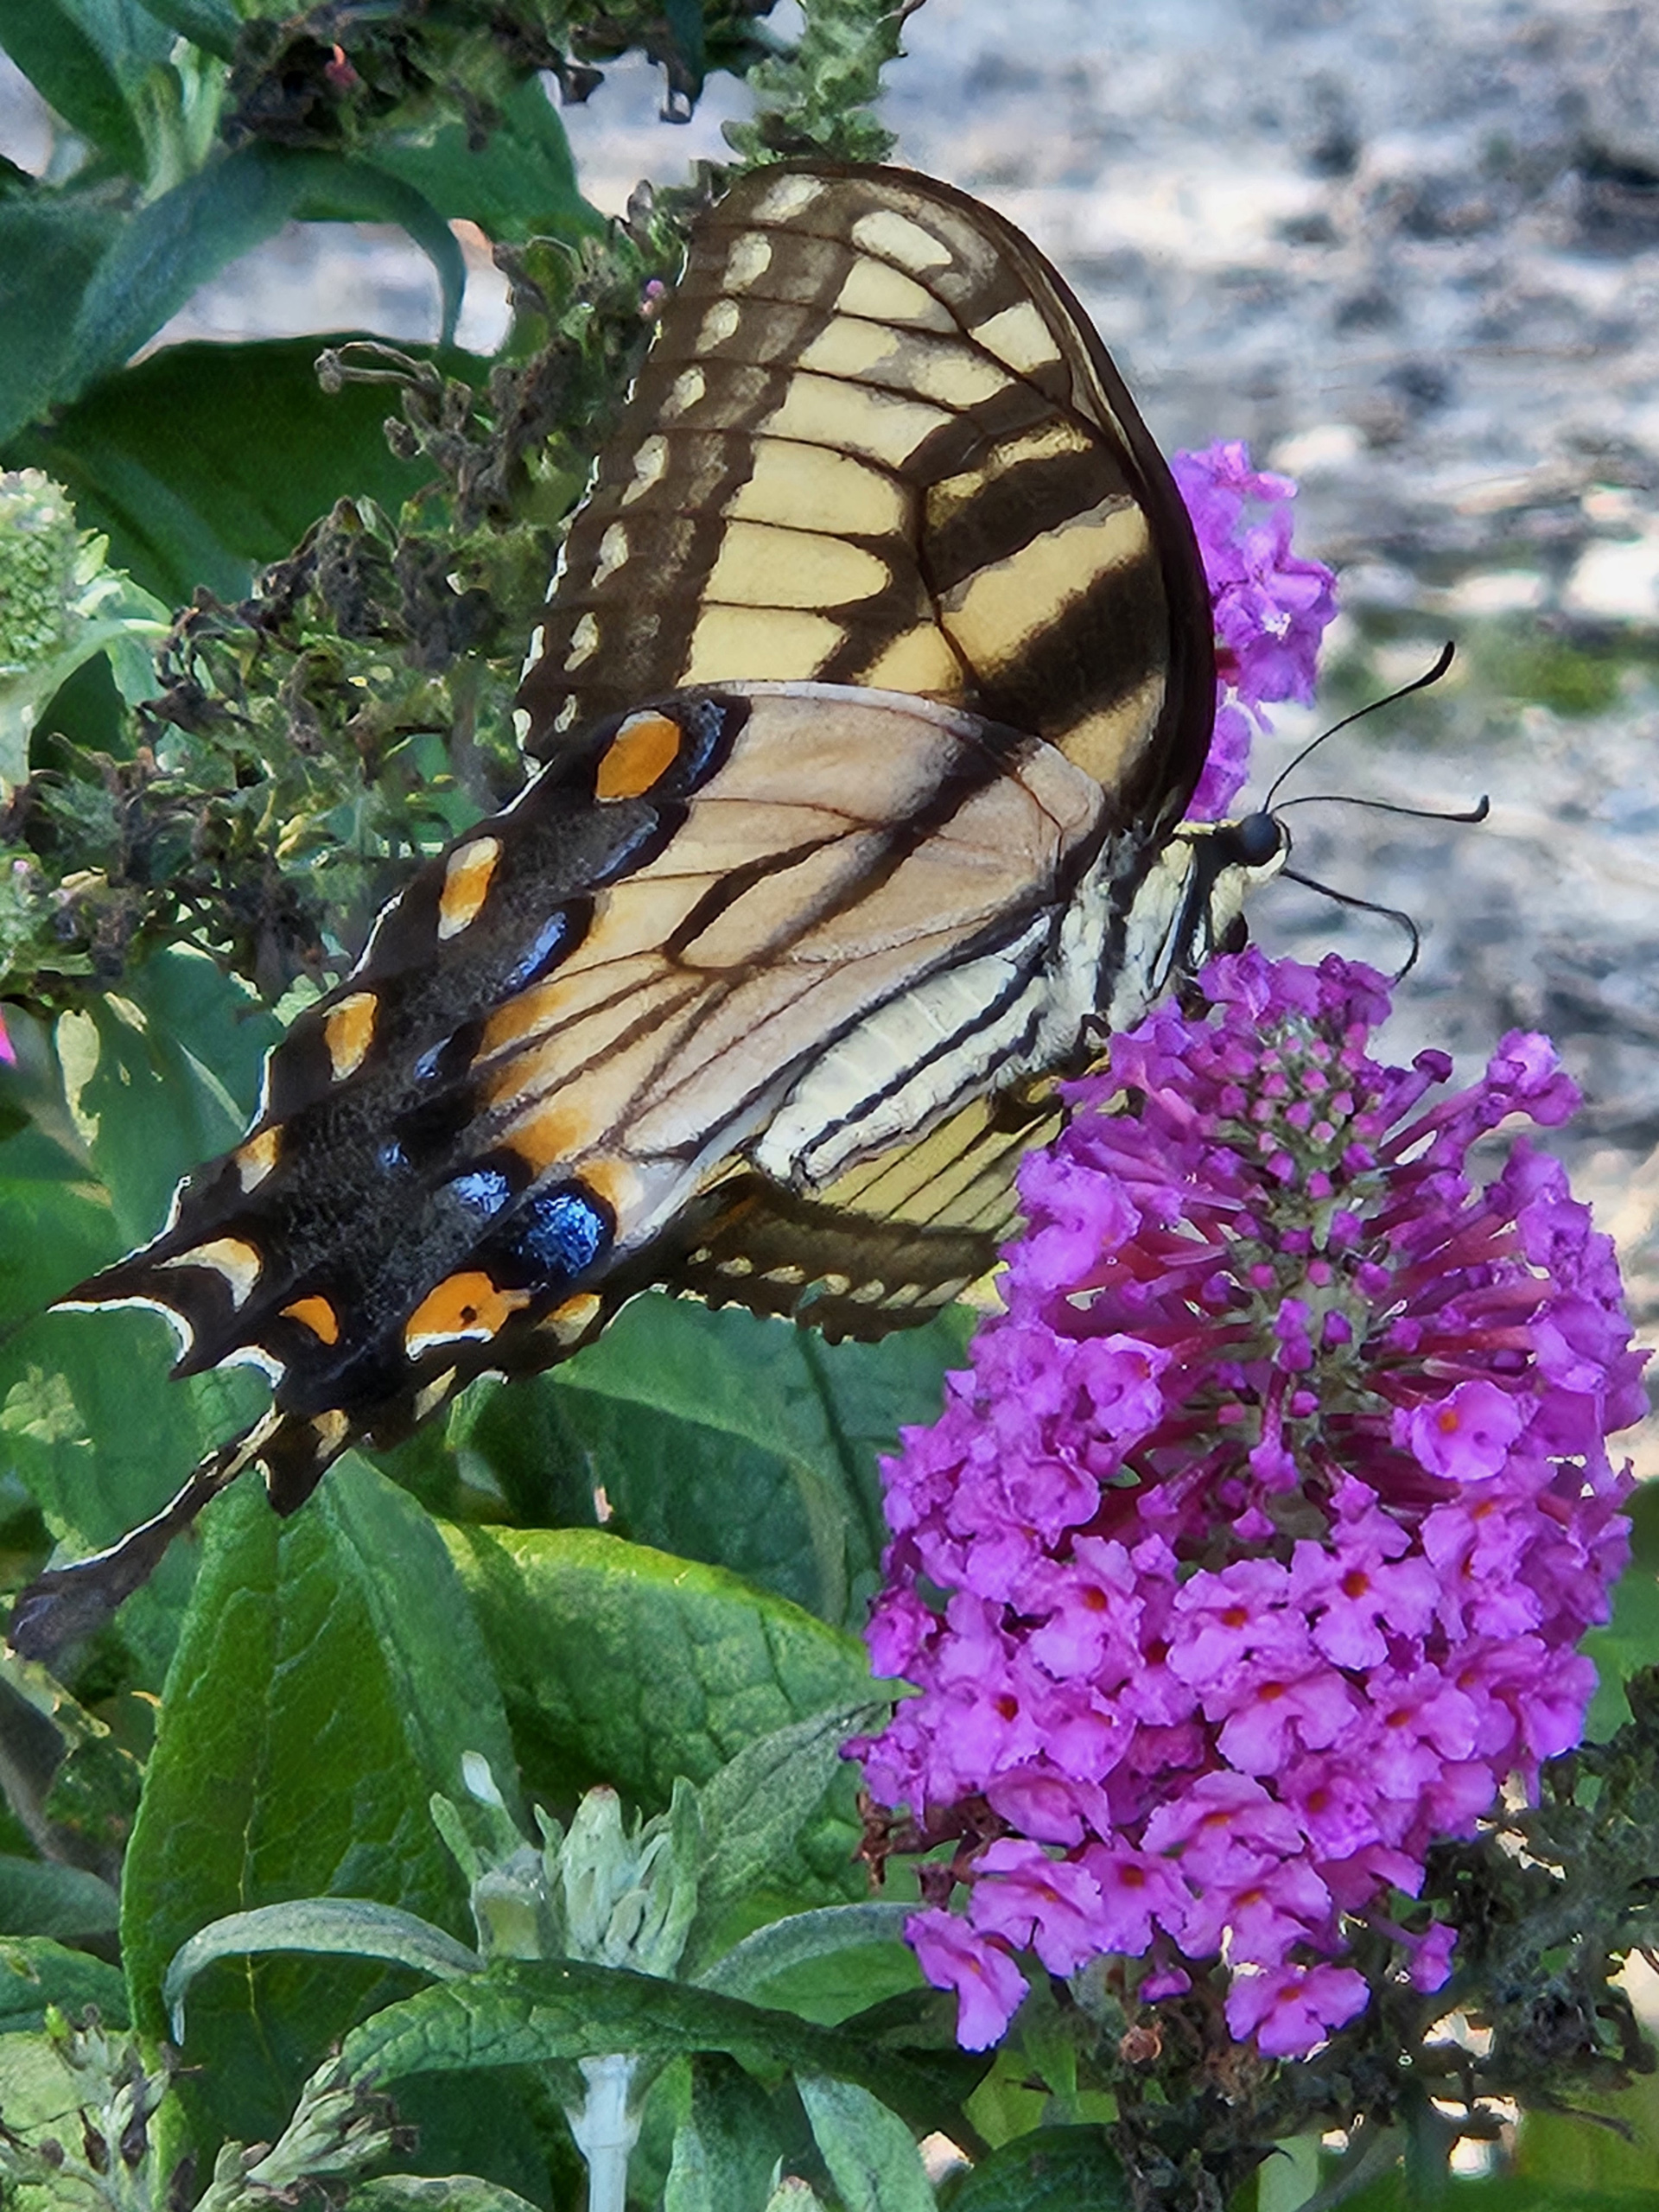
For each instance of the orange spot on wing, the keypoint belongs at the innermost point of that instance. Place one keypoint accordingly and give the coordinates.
(317, 1315)
(572, 1318)
(644, 747)
(348, 1031)
(466, 882)
(467, 1305)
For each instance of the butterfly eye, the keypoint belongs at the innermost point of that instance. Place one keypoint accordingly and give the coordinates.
(1255, 840)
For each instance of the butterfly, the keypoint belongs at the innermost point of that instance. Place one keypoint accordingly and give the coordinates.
(872, 688)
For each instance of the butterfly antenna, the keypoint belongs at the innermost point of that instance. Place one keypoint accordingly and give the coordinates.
(1418, 683)
(1478, 812)
(1365, 907)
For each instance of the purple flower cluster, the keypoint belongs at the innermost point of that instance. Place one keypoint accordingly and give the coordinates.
(1271, 608)
(1252, 1555)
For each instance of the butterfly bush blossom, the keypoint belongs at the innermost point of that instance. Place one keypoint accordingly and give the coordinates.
(1271, 607)
(1252, 1555)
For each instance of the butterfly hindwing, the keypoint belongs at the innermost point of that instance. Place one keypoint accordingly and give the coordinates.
(725, 941)
(876, 441)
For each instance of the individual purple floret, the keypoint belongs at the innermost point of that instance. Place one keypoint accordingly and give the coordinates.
(1270, 606)
(1252, 1556)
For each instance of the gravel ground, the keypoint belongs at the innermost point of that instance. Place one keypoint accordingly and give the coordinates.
(1412, 254)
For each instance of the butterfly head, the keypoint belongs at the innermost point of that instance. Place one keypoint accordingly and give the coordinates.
(1190, 905)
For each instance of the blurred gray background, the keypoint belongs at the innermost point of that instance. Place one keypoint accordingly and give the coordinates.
(1412, 254)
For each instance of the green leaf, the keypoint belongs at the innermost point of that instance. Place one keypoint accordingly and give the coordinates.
(439, 2193)
(211, 24)
(125, 637)
(69, 71)
(40, 1898)
(159, 457)
(1630, 1640)
(161, 1075)
(50, 245)
(328, 1679)
(36, 1972)
(341, 1927)
(1561, 2149)
(525, 2012)
(726, 2147)
(56, 1224)
(1051, 2170)
(750, 1443)
(756, 1807)
(520, 184)
(172, 245)
(36, 2085)
(685, 22)
(784, 1947)
(620, 1664)
(101, 1439)
(871, 2154)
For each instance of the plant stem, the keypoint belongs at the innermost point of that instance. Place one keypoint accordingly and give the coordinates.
(605, 2131)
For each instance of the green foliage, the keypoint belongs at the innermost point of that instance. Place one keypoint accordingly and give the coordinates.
(37, 1975)
(326, 1712)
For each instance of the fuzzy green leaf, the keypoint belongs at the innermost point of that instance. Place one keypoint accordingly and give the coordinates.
(159, 456)
(622, 1665)
(728, 2144)
(871, 2154)
(328, 1679)
(521, 183)
(784, 1947)
(439, 2193)
(211, 24)
(42, 1899)
(1052, 2169)
(756, 1807)
(748, 1443)
(50, 245)
(354, 1927)
(526, 2013)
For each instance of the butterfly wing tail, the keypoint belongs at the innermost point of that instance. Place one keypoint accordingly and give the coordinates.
(67, 1604)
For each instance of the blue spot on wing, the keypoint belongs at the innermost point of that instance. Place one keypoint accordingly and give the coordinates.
(485, 1190)
(560, 1233)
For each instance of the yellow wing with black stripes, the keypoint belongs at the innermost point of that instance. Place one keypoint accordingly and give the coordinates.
(875, 679)
(877, 442)
(712, 958)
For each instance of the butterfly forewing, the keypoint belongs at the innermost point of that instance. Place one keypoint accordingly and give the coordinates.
(876, 442)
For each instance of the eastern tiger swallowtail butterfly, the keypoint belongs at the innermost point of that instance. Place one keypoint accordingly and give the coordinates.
(874, 685)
